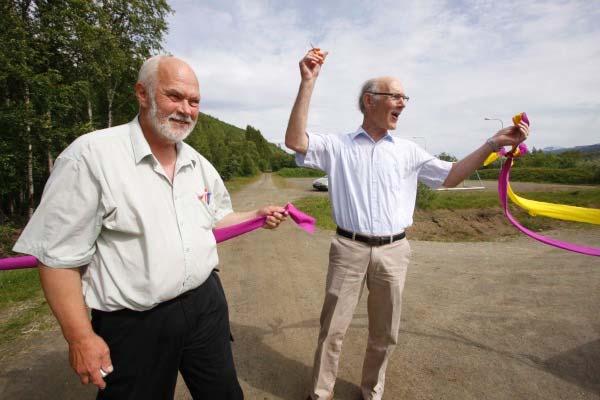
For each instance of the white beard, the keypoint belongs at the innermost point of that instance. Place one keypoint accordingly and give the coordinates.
(162, 126)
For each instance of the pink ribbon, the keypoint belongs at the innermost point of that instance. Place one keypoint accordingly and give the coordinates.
(304, 221)
(502, 192)
(18, 262)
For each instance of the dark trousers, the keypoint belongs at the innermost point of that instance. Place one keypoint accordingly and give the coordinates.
(189, 334)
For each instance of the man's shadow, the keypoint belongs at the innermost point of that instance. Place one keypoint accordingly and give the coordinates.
(270, 371)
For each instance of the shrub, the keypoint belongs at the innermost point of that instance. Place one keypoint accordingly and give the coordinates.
(300, 173)
(425, 196)
(574, 176)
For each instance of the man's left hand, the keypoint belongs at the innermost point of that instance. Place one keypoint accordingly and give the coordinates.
(275, 215)
(512, 135)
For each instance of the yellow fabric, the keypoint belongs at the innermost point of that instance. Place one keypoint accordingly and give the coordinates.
(517, 118)
(558, 211)
(491, 158)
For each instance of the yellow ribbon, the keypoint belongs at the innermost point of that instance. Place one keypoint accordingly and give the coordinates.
(558, 211)
(551, 210)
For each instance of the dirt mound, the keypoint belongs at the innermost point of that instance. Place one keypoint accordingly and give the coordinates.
(473, 225)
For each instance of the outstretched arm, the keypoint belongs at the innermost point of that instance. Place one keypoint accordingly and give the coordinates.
(275, 215)
(295, 135)
(510, 136)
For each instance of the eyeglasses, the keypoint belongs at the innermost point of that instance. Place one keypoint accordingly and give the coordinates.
(394, 96)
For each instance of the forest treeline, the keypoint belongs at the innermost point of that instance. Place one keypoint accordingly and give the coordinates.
(67, 67)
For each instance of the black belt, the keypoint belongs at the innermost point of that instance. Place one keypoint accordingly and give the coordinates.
(370, 240)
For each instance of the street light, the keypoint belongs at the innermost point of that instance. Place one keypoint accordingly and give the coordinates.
(495, 119)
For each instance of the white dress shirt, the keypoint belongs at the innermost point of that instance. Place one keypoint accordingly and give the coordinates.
(109, 205)
(373, 185)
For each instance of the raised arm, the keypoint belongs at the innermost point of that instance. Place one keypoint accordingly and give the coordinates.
(295, 135)
(510, 136)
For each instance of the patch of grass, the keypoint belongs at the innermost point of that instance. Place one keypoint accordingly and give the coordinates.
(462, 200)
(300, 173)
(318, 207)
(30, 318)
(18, 285)
(22, 303)
(235, 184)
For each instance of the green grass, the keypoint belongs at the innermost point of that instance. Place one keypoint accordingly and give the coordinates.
(319, 207)
(17, 286)
(22, 302)
(462, 200)
(300, 173)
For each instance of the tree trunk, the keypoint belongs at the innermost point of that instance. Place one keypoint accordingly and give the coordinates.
(90, 116)
(29, 158)
(50, 161)
(111, 97)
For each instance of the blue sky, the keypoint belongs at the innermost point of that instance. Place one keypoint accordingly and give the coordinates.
(459, 61)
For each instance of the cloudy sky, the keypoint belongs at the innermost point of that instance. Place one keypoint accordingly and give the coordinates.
(459, 61)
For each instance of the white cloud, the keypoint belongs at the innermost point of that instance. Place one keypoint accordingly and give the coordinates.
(459, 62)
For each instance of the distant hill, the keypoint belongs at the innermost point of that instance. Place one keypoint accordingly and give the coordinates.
(235, 151)
(592, 148)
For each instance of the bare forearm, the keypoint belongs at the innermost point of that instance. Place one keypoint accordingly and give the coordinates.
(295, 135)
(236, 218)
(462, 169)
(62, 287)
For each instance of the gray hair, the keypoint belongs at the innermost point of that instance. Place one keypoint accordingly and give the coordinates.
(148, 73)
(369, 86)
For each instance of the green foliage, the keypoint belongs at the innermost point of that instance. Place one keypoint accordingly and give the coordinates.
(8, 234)
(575, 176)
(425, 196)
(300, 173)
(447, 157)
(319, 206)
(234, 151)
(67, 68)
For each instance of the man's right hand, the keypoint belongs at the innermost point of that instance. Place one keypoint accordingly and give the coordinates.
(310, 65)
(88, 355)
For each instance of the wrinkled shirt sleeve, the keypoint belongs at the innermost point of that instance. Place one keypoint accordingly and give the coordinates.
(63, 230)
(432, 171)
(318, 154)
(221, 199)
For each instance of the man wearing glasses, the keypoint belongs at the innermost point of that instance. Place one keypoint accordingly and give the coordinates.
(372, 184)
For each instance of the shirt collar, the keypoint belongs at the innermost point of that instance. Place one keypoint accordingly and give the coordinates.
(141, 148)
(360, 131)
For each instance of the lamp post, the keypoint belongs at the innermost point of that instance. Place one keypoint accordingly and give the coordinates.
(495, 119)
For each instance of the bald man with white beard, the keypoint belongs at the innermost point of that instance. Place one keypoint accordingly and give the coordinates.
(124, 228)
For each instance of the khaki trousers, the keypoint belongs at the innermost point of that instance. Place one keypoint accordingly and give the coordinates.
(351, 264)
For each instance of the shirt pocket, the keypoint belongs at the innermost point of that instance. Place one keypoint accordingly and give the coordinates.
(200, 210)
(122, 220)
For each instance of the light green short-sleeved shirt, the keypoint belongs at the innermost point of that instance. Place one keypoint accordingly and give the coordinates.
(109, 205)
